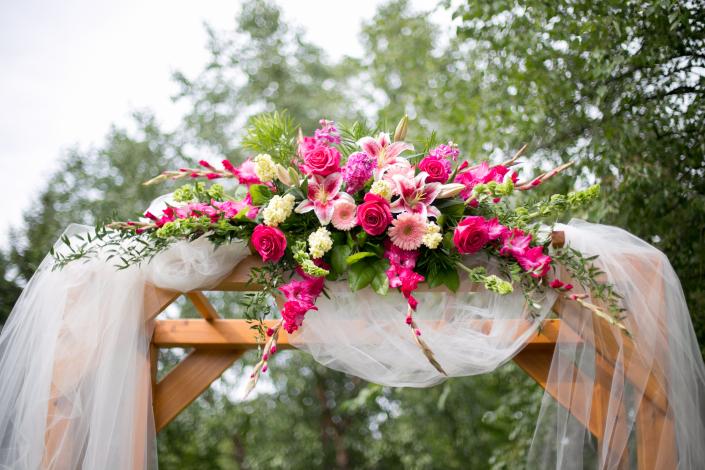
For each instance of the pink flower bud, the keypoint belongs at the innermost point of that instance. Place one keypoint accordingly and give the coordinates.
(265, 357)
(270, 331)
(568, 286)
(264, 368)
(273, 350)
(212, 176)
(194, 175)
(408, 320)
(418, 332)
(205, 164)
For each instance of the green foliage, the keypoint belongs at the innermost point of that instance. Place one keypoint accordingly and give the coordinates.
(273, 134)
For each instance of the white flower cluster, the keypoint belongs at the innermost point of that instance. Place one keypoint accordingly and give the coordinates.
(382, 188)
(265, 168)
(319, 242)
(278, 209)
(433, 236)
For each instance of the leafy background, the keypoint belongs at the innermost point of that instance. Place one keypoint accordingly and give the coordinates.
(617, 86)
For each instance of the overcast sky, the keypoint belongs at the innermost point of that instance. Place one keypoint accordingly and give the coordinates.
(69, 69)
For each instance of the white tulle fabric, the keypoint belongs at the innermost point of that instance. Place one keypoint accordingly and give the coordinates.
(74, 357)
(471, 332)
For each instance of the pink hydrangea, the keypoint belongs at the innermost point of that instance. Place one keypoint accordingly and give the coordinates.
(358, 170)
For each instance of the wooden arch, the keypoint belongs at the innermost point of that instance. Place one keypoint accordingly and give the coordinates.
(217, 343)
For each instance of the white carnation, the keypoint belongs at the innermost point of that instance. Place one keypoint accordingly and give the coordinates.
(319, 242)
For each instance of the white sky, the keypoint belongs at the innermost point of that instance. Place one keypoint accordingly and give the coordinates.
(69, 69)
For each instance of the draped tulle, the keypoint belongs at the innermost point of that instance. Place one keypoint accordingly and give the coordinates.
(74, 359)
(74, 355)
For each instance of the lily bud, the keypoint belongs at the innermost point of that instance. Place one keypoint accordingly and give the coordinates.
(400, 132)
(283, 175)
(450, 190)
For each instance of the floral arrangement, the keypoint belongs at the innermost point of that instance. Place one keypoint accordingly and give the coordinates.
(363, 206)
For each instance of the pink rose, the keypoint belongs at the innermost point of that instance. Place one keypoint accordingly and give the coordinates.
(374, 214)
(321, 160)
(471, 235)
(438, 169)
(269, 242)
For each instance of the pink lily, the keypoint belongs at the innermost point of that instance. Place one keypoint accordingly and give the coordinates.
(384, 150)
(415, 195)
(322, 194)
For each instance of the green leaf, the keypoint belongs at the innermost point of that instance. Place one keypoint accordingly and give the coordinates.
(260, 194)
(338, 258)
(380, 282)
(352, 259)
(360, 275)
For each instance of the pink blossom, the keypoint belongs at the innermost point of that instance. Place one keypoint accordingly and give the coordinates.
(322, 194)
(438, 169)
(415, 195)
(401, 274)
(374, 215)
(321, 160)
(344, 213)
(471, 235)
(233, 208)
(401, 167)
(293, 314)
(515, 242)
(383, 149)
(328, 133)
(445, 151)
(245, 173)
(495, 230)
(357, 171)
(556, 283)
(482, 173)
(534, 261)
(407, 231)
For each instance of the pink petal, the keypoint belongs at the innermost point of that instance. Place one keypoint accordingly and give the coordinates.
(304, 206)
(396, 148)
(430, 192)
(370, 146)
(383, 139)
(314, 184)
(323, 212)
(433, 211)
(332, 184)
(397, 206)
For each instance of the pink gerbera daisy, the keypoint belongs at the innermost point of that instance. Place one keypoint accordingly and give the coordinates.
(407, 231)
(344, 213)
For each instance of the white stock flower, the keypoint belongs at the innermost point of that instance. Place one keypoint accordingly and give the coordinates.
(382, 188)
(433, 236)
(278, 209)
(319, 242)
(265, 168)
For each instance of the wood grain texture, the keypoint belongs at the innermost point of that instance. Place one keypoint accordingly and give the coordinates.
(191, 377)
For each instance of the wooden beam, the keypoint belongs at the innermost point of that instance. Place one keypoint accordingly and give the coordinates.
(191, 377)
(204, 307)
(238, 334)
